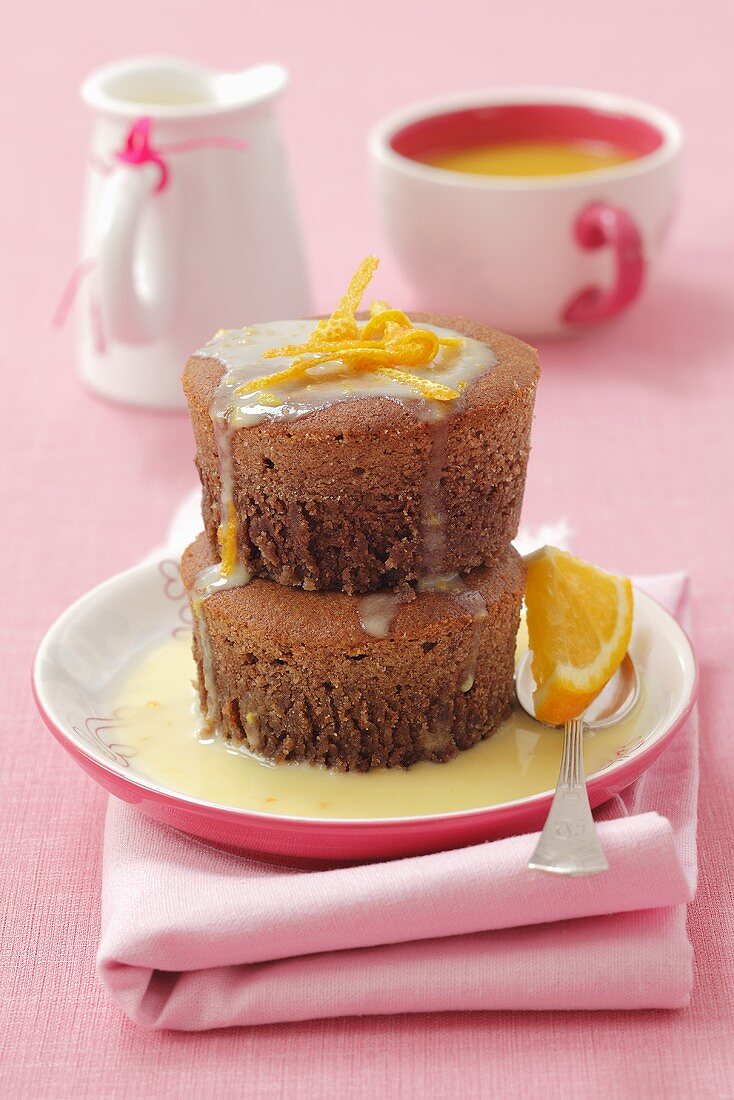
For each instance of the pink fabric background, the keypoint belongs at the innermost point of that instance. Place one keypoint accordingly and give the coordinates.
(633, 443)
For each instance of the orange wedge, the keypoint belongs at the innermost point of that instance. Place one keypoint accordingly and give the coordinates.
(579, 626)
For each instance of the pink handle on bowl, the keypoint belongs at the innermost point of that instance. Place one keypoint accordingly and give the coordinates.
(597, 226)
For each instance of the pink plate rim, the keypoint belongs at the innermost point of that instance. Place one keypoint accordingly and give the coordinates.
(613, 774)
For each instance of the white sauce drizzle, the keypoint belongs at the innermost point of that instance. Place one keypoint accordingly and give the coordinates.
(241, 352)
(377, 611)
(208, 581)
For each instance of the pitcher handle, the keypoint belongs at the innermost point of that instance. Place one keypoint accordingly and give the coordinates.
(132, 313)
(597, 226)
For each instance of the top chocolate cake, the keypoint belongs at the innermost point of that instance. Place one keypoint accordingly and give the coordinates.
(359, 453)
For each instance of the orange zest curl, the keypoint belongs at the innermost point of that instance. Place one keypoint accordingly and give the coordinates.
(433, 390)
(387, 344)
(385, 322)
(296, 368)
(227, 539)
(342, 324)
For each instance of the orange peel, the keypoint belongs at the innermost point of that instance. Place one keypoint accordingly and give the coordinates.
(296, 368)
(342, 324)
(382, 322)
(227, 540)
(433, 390)
(387, 344)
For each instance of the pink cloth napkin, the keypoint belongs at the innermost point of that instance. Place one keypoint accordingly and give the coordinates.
(197, 938)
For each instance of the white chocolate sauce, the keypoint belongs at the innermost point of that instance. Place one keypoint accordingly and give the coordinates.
(377, 611)
(208, 581)
(161, 726)
(241, 352)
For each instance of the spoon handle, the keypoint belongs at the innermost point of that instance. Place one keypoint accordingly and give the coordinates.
(569, 844)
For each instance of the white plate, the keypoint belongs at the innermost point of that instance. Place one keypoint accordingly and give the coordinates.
(88, 650)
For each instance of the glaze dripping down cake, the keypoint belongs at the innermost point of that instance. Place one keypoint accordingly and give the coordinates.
(355, 594)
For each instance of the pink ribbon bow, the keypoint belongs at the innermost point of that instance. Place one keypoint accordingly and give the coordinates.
(138, 150)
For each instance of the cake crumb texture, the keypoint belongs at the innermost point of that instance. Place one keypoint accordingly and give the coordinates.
(297, 678)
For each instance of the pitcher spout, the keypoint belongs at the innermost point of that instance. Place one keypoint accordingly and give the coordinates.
(251, 85)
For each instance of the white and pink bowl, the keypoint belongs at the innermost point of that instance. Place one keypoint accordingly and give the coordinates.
(535, 256)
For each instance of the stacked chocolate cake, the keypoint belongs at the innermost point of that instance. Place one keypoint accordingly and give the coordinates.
(355, 593)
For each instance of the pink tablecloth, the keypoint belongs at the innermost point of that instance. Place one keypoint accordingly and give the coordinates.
(87, 489)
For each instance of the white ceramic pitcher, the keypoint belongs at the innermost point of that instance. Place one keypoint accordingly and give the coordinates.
(189, 225)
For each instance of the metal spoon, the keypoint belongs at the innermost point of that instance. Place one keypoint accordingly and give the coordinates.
(569, 844)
